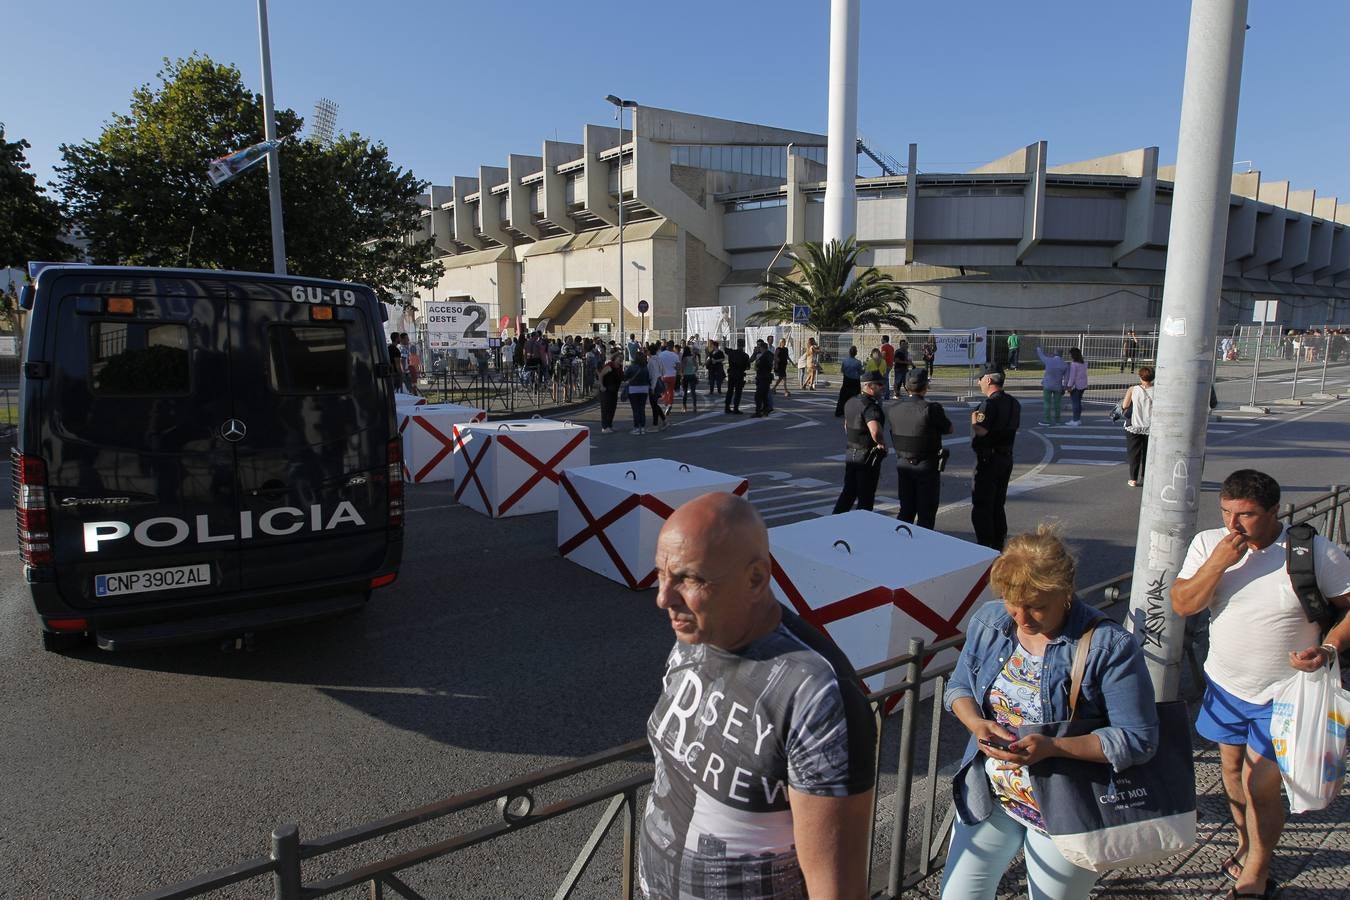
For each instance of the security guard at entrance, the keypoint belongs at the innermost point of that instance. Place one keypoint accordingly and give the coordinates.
(864, 424)
(993, 428)
(917, 427)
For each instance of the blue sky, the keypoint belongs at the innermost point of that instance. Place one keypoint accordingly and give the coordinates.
(449, 86)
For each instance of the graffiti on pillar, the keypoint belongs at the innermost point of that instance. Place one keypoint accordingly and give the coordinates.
(1155, 611)
(1179, 491)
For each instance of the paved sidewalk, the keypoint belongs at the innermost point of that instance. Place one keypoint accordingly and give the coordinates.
(1312, 862)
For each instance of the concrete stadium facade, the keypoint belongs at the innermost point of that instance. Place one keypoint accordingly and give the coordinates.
(711, 204)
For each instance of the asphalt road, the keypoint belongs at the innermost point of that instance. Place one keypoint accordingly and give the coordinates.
(491, 657)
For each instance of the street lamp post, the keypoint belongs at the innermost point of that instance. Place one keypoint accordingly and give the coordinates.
(273, 156)
(620, 104)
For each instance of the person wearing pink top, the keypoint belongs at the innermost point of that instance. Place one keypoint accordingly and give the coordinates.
(1077, 383)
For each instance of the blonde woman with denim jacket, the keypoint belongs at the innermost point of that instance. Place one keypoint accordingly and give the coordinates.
(1015, 669)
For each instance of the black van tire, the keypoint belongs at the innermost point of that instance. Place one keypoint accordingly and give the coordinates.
(63, 641)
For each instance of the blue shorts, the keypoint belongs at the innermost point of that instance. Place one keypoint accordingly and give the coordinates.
(1226, 719)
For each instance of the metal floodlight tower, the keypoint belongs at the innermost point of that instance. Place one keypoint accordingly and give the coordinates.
(841, 203)
(274, 156)
(620, 105)
(1169, 506)
(324, 124)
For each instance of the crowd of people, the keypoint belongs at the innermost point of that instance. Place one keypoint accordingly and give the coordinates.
(765, 744)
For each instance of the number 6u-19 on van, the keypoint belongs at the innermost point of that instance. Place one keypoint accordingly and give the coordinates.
(202, 454)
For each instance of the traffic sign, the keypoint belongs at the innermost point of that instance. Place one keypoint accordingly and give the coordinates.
(801, 314)
(643, 306)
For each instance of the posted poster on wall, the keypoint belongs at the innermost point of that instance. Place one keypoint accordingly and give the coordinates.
(459, 324)
(961, 346)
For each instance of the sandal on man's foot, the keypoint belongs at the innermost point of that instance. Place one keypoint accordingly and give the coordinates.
(1231, 868)
(1272, 888)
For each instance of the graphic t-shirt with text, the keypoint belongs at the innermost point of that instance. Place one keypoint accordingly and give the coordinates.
(1015, 700)
(731, 733)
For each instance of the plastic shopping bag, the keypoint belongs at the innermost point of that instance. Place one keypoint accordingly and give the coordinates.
(1308, 722)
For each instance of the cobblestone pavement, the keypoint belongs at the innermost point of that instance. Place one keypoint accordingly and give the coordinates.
(1312, 862)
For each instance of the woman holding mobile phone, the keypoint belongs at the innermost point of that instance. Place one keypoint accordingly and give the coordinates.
(1015, 670)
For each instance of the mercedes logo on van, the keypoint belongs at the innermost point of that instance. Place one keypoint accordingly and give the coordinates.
(233, 430)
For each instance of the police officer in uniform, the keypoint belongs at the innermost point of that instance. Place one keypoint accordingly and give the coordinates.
(864, 424)
(917, 427)
(993, 428)
(738, 361)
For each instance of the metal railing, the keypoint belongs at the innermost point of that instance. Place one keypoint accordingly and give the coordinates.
(512, 389)
(907, 862)
(1327, 512)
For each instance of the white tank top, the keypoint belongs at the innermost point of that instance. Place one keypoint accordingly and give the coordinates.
(1141, 409)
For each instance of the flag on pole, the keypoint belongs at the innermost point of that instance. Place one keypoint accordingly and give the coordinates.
(234, 164)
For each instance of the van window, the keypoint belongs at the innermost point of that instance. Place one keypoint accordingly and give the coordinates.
(138, 358)
(309, 359)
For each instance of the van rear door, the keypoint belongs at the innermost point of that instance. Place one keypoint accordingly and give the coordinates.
(142, 487)
(312, 463)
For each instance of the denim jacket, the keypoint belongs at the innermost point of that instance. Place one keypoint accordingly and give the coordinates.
(1116, 688)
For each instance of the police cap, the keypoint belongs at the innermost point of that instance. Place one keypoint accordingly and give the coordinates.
(873, 378)
(916, 379)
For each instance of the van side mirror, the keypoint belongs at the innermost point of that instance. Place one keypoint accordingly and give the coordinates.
(26, 297)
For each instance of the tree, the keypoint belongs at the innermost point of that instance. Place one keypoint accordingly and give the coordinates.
(140, 194)
(819, 280)
(31, 223)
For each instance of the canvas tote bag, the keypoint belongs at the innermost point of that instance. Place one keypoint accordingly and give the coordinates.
(1100, 819)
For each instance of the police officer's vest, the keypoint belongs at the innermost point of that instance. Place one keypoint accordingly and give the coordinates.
(910, 433)
(858, 434)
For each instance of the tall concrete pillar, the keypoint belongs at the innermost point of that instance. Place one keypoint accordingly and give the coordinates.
(1195, 256)
(841, 202)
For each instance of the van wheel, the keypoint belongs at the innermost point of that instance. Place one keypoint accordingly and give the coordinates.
(63, 641)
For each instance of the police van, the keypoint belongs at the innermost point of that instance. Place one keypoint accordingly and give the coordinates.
(202, 454)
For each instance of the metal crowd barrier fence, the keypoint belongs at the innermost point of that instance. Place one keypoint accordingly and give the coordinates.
(1278, 368)
(1327, 512)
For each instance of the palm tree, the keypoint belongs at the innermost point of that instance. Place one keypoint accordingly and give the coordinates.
(819, 280)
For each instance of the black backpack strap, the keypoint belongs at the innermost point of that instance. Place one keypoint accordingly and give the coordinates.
(1301, 563)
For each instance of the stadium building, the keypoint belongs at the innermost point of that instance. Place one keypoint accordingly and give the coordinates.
(710, 205)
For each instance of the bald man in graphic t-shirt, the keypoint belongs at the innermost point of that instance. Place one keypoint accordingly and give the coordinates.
(764, 742)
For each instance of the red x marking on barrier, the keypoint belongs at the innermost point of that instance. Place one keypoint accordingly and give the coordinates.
(471, 472)
(542, 470)
(447, 444)
(596, 528)
(876, 598)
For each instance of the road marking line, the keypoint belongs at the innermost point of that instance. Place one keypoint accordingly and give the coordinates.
(1090, 462)
(770, 511)
(1281, 422)
(1094, 437)
(1085, 447)
(739, 423)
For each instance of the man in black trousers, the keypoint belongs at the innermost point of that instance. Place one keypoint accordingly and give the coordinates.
(763, 360)
(993, 428)
(864, 422)
(738, 362)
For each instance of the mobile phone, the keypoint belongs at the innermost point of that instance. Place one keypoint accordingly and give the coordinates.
(996, 743)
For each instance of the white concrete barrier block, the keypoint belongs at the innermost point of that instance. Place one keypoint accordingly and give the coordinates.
(871, 584)
(512, 468)
(428, 438)
(609, 516)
